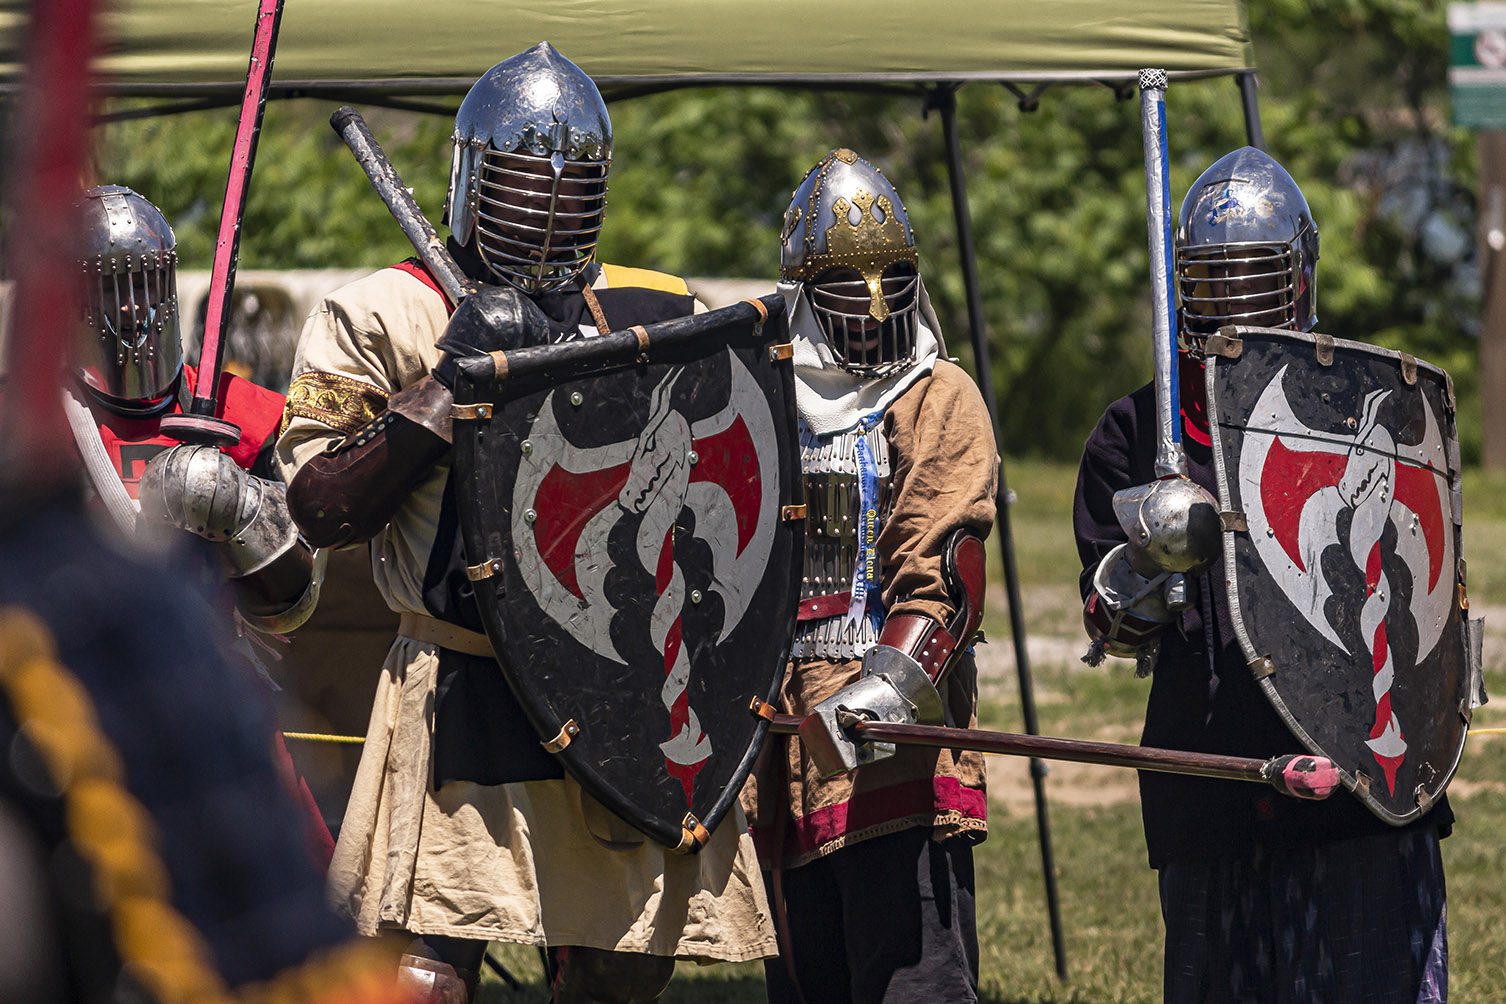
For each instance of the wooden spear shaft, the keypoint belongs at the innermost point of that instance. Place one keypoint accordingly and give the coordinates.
(1232, 768)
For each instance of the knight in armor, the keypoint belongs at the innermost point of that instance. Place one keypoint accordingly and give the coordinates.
(462, 829)
(1264, 898)
(128, 374)
(872, 869)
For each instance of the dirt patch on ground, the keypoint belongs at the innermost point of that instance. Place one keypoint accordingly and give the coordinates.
(1079, 785)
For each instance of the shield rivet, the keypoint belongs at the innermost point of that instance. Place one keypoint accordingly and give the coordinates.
(576, 398)
(695, 596)
(692, 458)
(1350, 422)
(527, 447)
(529, 515)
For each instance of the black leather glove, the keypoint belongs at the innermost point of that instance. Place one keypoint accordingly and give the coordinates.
(496, 317)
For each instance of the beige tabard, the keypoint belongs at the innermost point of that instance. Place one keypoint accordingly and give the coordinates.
(537, 862)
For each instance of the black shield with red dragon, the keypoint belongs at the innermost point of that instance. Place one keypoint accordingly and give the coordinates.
(647, 559)
(1343, 576)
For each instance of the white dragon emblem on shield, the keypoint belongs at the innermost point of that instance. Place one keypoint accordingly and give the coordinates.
(567, 500)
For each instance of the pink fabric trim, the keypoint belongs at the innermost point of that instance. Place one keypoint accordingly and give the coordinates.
(933, 796)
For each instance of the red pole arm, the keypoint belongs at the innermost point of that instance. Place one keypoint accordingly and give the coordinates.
(200, 425)
(47, 156)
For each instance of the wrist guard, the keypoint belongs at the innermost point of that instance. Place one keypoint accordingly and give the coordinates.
(347, 493)
(936, 647)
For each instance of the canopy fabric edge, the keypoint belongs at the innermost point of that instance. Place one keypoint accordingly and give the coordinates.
(433, 86)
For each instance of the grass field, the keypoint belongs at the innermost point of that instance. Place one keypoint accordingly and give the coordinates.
(1108, 895)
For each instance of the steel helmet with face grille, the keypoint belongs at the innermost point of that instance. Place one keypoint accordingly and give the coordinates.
(528, 177)
(129, 349)
(847, 237)
(1246, 249)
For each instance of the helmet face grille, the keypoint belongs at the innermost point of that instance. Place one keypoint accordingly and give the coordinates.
(1219, 284)
(130, 349)
(869, 324)
(538, 218)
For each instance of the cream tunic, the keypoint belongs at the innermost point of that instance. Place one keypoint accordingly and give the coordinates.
(537, 862)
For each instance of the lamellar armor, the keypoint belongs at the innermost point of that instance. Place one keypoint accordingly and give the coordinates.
(848, 496)
(129, 352)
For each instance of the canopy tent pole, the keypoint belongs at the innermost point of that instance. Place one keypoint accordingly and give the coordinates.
(1254, 135)
(944, 99)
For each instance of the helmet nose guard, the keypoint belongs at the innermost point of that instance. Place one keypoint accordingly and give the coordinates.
(1246, 249)
(528, 175)
(845, 217)
(129, 349)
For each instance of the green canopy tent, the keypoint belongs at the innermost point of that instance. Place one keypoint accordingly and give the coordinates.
(192, 54)
(395, 48)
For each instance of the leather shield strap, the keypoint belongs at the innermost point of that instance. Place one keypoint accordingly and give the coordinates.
(347, 493)
(597, 314)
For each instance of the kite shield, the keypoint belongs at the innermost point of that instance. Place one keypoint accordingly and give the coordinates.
(1338, 474)
(630, 506)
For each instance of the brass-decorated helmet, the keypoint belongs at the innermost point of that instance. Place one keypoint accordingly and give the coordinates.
(528, 177)
(847, 238)
(1246, 249)
(129, 350)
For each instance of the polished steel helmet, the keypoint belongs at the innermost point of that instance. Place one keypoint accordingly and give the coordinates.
(848, 239)
(130, 350)
(528, 178)
(1246, 249)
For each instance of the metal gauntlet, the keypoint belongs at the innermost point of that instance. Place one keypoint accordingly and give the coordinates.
(200, 489)
(1127, 609)
(1173, 531)
(346, 494)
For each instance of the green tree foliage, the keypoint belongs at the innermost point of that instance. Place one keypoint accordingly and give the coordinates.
(1353, 102)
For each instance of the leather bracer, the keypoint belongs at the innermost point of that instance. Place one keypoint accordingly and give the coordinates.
(347, 493)
(936, 646)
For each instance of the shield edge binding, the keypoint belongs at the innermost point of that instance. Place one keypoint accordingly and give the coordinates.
(545, 722)
(1231, 581)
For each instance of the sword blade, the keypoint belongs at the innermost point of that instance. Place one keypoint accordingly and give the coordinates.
(1169, 458)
